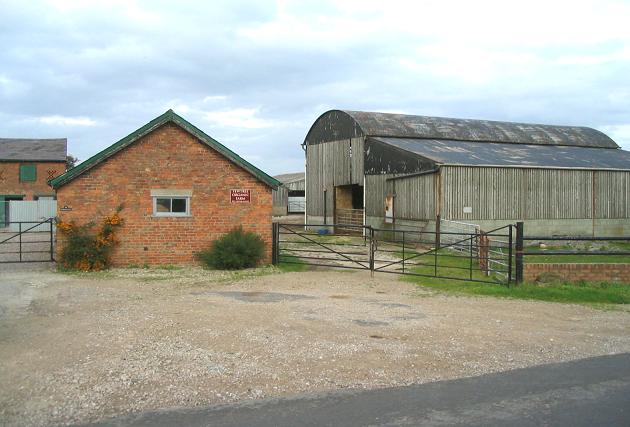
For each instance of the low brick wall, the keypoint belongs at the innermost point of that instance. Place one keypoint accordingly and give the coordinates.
(577, 272)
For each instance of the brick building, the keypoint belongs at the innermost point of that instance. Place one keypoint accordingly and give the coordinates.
(26, 166)
(180, 190)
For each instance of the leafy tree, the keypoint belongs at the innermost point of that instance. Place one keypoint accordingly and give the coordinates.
(71, 161)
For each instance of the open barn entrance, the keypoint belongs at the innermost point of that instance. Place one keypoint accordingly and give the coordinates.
(349, 207)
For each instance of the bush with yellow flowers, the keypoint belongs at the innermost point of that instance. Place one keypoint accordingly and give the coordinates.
(87, 251)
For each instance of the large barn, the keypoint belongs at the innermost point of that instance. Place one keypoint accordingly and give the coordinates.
(405, 171)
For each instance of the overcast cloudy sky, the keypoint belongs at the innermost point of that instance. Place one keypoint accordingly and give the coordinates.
(255, 74)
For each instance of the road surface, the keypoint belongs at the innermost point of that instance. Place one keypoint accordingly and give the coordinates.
(588, 392)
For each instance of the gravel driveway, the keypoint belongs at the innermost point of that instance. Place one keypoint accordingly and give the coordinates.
(79, 348)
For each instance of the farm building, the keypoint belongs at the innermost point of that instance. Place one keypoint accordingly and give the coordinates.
(289, 197)
(26, 166)
(404, 171)
(179, 188)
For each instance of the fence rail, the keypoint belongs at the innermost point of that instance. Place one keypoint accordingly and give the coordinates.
(409, 252)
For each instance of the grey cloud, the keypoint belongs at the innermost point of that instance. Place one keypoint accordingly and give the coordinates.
(121, 72)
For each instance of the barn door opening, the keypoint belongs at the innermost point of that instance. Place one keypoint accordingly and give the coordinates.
(349, 206)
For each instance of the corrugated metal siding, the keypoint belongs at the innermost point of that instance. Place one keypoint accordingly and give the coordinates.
(514, 193)
(327, 165)
(415, 197)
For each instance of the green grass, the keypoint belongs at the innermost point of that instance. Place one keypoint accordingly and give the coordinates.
(289, 267)
(582, 293)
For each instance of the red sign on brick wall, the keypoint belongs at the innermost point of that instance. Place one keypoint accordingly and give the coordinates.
(240, 196)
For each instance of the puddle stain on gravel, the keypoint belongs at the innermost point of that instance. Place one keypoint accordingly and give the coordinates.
(393, 305)
(261, 296)
(339, 296)
(362, 322)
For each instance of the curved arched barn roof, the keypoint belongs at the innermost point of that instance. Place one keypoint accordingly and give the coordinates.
(337, 124)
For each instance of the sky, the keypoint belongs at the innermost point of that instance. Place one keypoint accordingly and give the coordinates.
(255, 75)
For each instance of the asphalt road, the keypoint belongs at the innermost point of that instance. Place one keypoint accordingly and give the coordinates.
(588, 392)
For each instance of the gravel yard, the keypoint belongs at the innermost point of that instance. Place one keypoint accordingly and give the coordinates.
(77, 348)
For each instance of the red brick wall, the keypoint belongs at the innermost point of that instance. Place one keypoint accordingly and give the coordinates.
(10, 179)
(577, 272)
(167, 158)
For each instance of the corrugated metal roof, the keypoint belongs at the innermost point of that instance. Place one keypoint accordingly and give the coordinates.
(288, 178)
(32, 150)
(338, 124)
(500, 154)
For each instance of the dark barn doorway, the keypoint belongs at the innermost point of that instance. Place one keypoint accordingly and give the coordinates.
(349, 206)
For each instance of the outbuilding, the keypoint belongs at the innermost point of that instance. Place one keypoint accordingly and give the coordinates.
(406, 171)
(288, 198)
(180, 189)
(26, 166)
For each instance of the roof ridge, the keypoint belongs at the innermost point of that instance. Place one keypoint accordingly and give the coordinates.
(167, 116)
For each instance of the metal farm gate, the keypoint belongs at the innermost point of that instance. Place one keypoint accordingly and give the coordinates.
(33, 241)
(471, 255)
(27, 233)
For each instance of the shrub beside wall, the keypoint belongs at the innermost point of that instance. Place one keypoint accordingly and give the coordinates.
(85, 250)
(234, 251)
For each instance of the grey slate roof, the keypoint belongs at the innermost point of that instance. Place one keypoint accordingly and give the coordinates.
(469, 153)
(338, 124)
(33, 150)
(288, 178)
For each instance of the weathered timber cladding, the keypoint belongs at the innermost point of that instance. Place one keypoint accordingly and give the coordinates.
(280, 200)
(415, 197)
(358, 159)
(491, 193)
(557, 194)
(328, 165)
(376, 191)
(515, 193)
(612, 194)
(280, 196)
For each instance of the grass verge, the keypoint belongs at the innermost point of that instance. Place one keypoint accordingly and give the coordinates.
(286, 264)
(581, 292)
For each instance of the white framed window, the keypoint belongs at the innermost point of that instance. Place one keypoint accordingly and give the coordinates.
(171, 202)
